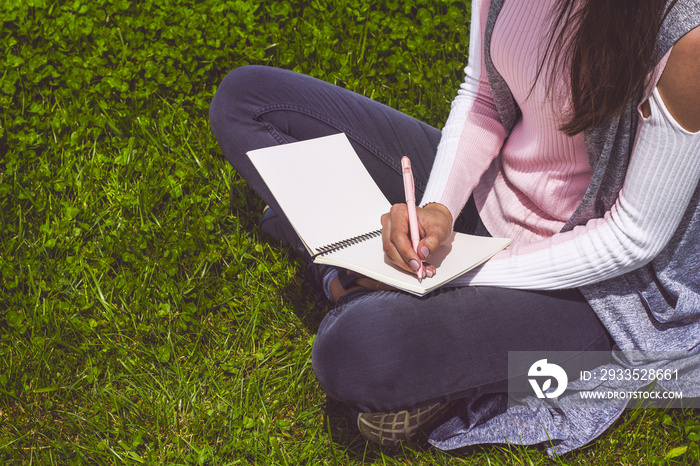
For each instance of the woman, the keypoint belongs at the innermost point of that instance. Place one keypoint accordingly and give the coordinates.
(597, 187)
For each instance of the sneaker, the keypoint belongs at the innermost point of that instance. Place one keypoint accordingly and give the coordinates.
(392, 429)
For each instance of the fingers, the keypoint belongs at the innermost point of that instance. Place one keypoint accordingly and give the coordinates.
(435, 223)
(396, 240)
(434, 228)
(428, 243)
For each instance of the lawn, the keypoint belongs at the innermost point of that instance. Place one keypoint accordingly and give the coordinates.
(144, 318)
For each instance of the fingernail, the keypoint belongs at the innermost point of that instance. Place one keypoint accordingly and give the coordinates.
(429, 273)
(414, 265)
(425, 251)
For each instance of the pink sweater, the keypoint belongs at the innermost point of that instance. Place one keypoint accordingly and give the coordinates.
(542, 174)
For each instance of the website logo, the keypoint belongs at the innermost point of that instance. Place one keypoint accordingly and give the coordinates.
(541, 369)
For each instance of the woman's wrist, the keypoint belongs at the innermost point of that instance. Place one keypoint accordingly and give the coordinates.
(441, 208)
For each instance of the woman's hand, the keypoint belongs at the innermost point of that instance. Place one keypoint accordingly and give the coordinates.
(434, 226)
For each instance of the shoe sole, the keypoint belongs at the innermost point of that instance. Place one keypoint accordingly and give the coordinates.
(393, 429)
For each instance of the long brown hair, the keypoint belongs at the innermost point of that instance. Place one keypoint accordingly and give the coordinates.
(607, 48)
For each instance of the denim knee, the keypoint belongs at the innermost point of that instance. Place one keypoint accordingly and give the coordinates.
(351, 354)
(232, 94)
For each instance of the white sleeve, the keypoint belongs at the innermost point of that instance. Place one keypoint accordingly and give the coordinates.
(473, 134)
(662, 176)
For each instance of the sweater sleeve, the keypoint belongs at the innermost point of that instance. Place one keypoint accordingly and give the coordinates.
(663, 174)
(473, 134)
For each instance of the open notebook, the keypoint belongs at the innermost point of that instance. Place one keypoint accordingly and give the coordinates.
(335, 207)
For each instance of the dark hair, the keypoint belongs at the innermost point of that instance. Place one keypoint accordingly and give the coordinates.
(607, 49)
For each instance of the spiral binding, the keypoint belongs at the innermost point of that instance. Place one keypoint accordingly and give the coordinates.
(348, 242)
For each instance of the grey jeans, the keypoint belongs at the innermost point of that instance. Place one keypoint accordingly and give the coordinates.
(389, 350)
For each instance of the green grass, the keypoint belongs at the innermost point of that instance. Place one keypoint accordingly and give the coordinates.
(143, 317)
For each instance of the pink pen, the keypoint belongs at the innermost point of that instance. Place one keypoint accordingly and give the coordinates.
(412, 215)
